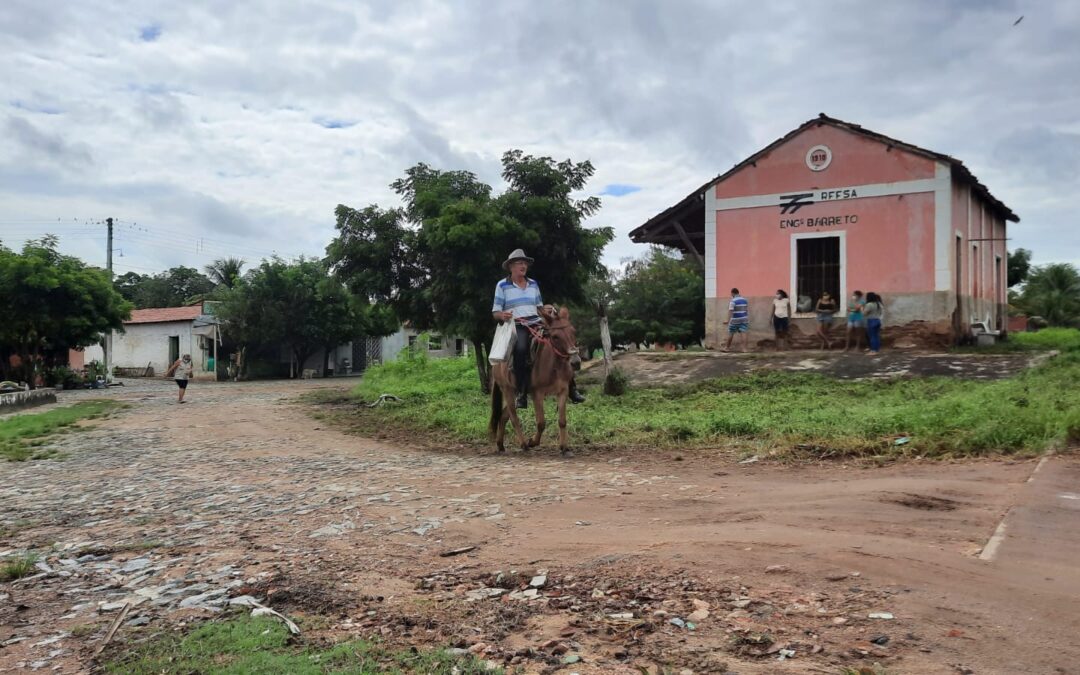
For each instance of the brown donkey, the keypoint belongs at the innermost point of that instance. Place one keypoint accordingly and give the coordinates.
(555, 360)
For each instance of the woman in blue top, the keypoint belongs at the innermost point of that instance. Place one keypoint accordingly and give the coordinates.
(855, 324)
(517, 298)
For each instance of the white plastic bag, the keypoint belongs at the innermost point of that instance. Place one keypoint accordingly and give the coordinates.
(502, 344)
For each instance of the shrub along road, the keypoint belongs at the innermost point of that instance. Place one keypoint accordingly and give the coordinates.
(601, 562)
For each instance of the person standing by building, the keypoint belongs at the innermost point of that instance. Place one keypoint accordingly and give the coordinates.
(181, 371)
(738, 319)
(874, 311)
(825, 310)
(855, 323)
(781, 318)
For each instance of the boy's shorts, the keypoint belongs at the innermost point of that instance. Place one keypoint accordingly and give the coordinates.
(738, 328)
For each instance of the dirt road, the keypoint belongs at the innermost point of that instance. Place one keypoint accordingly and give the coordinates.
(174, 510)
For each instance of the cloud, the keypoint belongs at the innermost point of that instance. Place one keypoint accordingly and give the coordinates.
(44, 109)
(619, 190)
(227, 131)
(53, 147)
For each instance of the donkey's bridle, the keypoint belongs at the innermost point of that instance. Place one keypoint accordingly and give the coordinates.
(541, 338)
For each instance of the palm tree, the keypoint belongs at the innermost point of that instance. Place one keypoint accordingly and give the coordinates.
(225, 271)
(1053, 292)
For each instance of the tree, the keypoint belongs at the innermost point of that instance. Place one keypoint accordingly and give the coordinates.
(1053, 292)
(173, 288)
(51, 303)
(1019, 266)
(660, 300)
(436, 261)
(600, 293)
(225, 271)
(298, 305)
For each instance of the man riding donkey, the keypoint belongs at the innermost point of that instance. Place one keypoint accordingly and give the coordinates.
(518, 299)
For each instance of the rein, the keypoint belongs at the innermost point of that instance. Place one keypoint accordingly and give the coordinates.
(539, 337)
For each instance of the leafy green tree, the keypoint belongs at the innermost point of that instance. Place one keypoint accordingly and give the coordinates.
(1053, 292)
(51, 303)
(301, 306)
(174, 288)
(660, 300)
(437, 260)
(1019, 266)
(225, 271)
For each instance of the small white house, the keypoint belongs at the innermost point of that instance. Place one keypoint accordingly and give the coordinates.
(154, 338)
(357, 355)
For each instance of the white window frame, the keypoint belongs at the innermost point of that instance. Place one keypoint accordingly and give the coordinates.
(793, 294)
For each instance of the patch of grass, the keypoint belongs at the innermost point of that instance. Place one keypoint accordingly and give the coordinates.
(1062, 339)
(140, 546)
(865, 670)
(22, 566)
(21, 436)
(797, 412)
(85, 629)
(254, 646)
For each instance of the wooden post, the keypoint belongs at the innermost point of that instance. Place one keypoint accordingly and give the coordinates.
(686, 242)
(215, 352)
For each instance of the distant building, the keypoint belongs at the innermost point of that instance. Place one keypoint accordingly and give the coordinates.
(154, 338)
(835, 207)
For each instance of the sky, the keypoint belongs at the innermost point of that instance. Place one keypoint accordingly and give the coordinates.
(233, 128)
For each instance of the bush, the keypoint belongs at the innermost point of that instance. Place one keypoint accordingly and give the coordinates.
(615, 383)
(63, 376)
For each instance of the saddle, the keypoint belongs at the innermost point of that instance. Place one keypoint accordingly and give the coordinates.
(534, 347)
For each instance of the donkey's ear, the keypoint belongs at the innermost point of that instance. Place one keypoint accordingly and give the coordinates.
(564, 314)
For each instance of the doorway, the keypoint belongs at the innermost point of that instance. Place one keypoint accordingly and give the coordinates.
(174, 349)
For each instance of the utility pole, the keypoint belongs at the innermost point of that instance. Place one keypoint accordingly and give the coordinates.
(109, 336)
(108, 252)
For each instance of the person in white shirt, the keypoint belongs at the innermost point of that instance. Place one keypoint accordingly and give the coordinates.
(781, 318)
(181, 371)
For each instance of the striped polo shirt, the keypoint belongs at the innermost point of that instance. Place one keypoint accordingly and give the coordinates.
(521, 301)
(738, 308)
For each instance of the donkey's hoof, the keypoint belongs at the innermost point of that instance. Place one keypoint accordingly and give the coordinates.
(500, 449)
(566, 452)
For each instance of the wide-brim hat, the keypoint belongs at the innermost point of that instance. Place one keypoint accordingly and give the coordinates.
(518, 254)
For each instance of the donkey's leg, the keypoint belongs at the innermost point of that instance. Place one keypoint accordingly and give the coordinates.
(538, 406)
(500, 432)
(564, 446)
(511, 396)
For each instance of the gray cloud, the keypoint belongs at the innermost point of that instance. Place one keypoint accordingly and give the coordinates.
(209, 127)
(51, 146)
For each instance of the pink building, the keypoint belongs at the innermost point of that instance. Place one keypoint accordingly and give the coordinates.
(835, 207)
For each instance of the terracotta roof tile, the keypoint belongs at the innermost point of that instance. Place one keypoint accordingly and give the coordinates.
(162, 314)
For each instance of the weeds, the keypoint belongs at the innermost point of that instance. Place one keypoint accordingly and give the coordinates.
(21, 436)
(261, 645)
(1063, 339)
(20, 567)
(791, 412)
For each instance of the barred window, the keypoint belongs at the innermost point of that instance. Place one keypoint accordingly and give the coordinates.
(817, 271)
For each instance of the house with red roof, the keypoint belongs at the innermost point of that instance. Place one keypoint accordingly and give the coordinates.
(154, 338)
